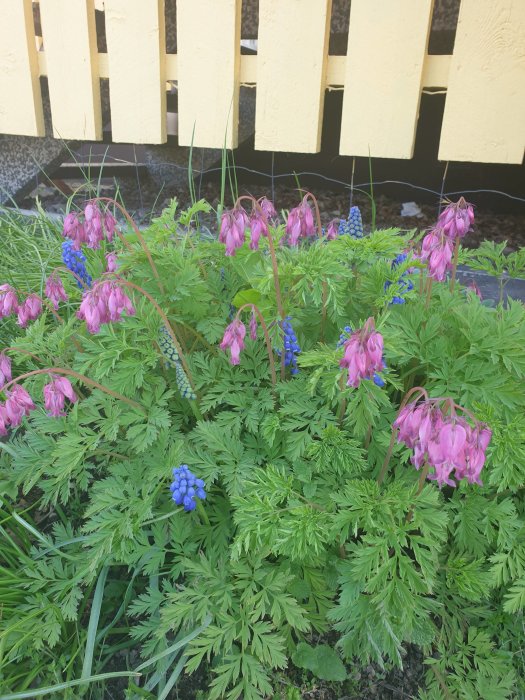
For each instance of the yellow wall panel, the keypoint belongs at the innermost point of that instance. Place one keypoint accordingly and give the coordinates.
(208, 59)
(387, 44)
(20, 97)
(70, 44)
(291, 72)
(484, 117)
(136, 49)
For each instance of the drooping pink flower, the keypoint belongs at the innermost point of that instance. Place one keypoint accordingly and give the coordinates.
(234, 340)
(332, 230)
(55, 394)
(54, 290)
(5, 369)
(233, 227)
(253, 326)
(300, 223)
(104, 303)
(437, 250)
(93, 225)
(110, 225)
(74, 230)
(258, 228)
(268, 208)
(18, 404)
(451, 447)
(29, 310)
(473, 287)
(363, 354)
(8, 300)
(111, 262)
(456, 219)
(4, 420)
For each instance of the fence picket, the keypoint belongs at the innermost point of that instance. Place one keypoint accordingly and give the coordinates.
(484, 118)
(20, 97)
(291, 68)
(70, 45)
(136, 60)
(208, 61)
(386, 49)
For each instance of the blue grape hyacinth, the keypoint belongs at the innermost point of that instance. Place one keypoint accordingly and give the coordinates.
(186, 488)
(291, 347)
(404, 285)
(353, 226)
(75, 260)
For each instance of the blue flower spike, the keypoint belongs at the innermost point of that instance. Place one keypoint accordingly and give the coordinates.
(186, 488)
(291, 347)
(75, 260)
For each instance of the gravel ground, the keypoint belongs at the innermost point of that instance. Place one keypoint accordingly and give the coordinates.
(143, 199)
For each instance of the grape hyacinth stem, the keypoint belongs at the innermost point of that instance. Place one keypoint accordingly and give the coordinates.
(139, 236)
(168, 325)
(384, 468)
(267, 340)
(80, 377)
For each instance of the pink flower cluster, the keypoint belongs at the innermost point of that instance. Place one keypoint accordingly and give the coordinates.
(234, 340)
(235, 222)
(5, 370)
(300, 223)
(363, 354)
(444, 440)
(332, 230)
(89, 227)
(454, 222)
(55, 291)
(104, 303)
(19, 403)
(29, 310)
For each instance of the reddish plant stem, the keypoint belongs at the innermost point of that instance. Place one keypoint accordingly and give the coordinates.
(342, 405)
(23, 352)
(139, 236)
(267, 340)
(454, 265)
(80, 377)
(429, 292)
(388, 455)
(309, 195)
(168, 325)
(273, 257)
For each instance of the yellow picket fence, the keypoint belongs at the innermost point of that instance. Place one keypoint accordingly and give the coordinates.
(383, 74)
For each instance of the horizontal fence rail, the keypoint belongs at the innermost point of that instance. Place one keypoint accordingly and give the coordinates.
(383, 74)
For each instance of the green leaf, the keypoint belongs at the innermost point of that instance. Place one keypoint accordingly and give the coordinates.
(246, 296)
(321, 660)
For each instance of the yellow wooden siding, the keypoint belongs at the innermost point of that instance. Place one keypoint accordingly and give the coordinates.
(383, 74)
(20, 99)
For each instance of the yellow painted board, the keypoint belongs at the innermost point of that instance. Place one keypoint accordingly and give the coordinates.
(20, 97)
(70, 44)
(136, 65)
(208, 60)
(387, 44)
(484, 118)
(291, 74)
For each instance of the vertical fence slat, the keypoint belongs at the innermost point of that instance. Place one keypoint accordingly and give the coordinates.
(484, 118)
(70, 45)
(20, 98)
(208, 60)
(386, 49)
(291, 67)
(136, 49)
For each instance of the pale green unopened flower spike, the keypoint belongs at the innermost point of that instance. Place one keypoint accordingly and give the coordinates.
(169, 351)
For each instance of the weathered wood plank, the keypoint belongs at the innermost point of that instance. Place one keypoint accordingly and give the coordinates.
(484, 118)
(20, 97)
(386, 50)
(136, 65)
(291, 73)
(208, 60)
(70, 45)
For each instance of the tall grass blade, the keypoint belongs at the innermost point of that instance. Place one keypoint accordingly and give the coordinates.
(93, 622)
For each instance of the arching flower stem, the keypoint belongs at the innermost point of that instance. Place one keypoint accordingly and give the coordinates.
(419, 390)
(309, 195)
(266, 337)
(132, 285)
(454, 265)
(81, 377)
(66, 269)
(137, 233)
(23, 352)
